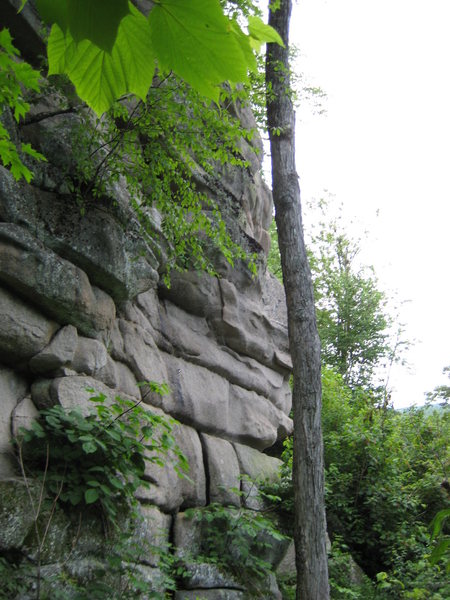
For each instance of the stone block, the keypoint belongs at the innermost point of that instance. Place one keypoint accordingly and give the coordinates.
(104, 242)
(59, 352)
(215, 594)
(143, 358)
(55, 285)
(190, 336)
(198, 396)
(107, 374)
(23, 415)
(152, 534)
(17, 505)
(245, 328)
(126, 382)
(168, 490)
(207, 576)
(257, 467)
(258, 422)
(90, 356)
(187, 535)
(69, 392)
(12, 390)
(206, 401)
(194, 292)
(24, 331)
(223, 470)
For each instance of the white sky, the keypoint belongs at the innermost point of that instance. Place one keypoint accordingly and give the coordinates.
(384, 148)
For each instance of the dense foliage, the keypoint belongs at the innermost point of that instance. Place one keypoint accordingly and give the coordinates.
(16, 78)
(97, 458)
(386, 471)
(110, 49)
(238, 541)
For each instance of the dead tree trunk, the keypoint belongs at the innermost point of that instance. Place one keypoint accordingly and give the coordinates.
(310, 524)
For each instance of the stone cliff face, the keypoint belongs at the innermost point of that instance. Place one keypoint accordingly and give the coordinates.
(82, 306)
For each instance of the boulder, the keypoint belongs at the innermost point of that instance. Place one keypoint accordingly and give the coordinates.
(214, 594)
(169, 488)
(18, 503)
(24, 331)
(12, 390)
(223, 470)
(257, 468)
(23, 416)
(56, 286)
(69, 392)
(59, 353)
(90, 356)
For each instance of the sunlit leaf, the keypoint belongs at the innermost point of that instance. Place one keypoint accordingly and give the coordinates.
(263, 33)
(101, 78)
(197, 42)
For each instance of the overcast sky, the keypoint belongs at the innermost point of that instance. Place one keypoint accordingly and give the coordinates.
(383, 151)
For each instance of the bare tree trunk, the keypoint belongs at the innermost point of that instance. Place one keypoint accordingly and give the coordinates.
(310, 524)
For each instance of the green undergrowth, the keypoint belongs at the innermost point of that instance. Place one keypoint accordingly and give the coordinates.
(97, 458)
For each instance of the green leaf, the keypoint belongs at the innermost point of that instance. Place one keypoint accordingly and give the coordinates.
(27, 149)
(196, 41)
(54, 12)
(263, 33)
(89, 447)
(97, 21)
(6, 42)
(440, 550)
(245, 44)
(91, 495)
(116, 482)
(100, 78)
(438, 522)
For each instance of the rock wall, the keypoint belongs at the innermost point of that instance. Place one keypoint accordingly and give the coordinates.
(82, 306)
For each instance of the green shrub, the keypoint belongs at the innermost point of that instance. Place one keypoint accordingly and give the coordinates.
(97, 459)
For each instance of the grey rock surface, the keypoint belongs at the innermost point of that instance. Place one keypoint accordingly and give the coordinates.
(69, 392)
(170, 489)
(223, 470)
(256, 468)
(56, 286)
(59, 353)
(202, 594)
(16, 512)
(24, 331)
(207, 576)
(12, 390)
(23, 416)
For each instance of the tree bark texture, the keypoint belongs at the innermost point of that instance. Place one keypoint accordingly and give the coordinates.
(308, 474)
